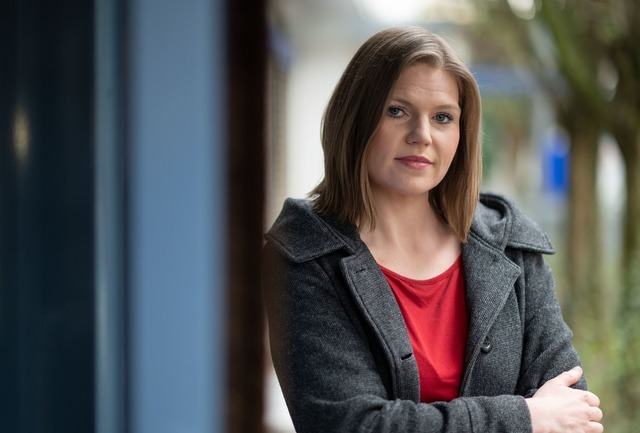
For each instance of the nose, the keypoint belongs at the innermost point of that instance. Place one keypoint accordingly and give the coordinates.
(420, 132)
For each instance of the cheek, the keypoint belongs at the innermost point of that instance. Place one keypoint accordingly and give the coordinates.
(375, 162)
(379, 149)
(453, 141)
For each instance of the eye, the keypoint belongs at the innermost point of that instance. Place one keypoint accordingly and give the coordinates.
(394, 111)
(443, 118)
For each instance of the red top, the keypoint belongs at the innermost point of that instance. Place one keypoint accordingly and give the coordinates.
(435, 314)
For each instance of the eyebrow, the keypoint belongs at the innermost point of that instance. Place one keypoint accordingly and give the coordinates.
(403, 101)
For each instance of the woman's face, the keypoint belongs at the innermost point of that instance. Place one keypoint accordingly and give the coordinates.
(417, 138)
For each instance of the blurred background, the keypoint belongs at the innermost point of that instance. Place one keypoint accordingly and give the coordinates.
(146, 145)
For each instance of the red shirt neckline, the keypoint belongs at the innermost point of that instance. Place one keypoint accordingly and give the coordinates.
(428, 281)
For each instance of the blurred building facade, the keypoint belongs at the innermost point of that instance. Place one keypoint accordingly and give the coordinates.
(116, 215)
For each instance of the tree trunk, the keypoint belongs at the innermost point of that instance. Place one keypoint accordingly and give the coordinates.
(582, 300)
(629, 307)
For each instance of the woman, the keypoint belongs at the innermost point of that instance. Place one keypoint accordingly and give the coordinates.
(399, 298)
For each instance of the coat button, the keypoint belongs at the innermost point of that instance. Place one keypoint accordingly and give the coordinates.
(486, 346)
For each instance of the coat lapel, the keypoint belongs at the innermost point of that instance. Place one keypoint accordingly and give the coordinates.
(377, 303)
(489, 278)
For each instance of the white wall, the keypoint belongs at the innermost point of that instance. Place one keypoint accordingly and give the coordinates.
(313, 77)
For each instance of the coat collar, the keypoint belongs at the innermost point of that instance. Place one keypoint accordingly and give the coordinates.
(499, 223)
(302, 234)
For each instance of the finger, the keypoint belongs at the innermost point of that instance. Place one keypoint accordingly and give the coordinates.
(595, 414)
(595, 427)
(568, 378)
(592, 399)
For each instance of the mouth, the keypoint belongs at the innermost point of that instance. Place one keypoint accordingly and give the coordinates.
(414, 161)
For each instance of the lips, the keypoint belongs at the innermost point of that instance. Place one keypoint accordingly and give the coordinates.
(414, 161)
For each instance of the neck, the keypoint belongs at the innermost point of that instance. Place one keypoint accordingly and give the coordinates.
(403, 220)
(411, 238)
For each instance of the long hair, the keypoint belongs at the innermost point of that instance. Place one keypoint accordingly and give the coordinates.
(354, 113)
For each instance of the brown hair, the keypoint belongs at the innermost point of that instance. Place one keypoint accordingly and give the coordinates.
(354, 112)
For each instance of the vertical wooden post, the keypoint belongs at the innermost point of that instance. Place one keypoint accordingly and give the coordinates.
(246, 46)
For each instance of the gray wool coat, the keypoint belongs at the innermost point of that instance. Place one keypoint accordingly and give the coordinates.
(342, 353)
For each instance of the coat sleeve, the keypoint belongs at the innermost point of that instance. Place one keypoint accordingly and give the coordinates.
(548, 350)
(333, 381)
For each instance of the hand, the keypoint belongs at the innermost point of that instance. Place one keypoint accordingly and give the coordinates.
(556, 407)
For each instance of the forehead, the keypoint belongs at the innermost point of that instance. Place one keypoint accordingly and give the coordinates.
(423, 80)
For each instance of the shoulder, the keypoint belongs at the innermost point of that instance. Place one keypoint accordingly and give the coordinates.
(301, 234)
(499, 222)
